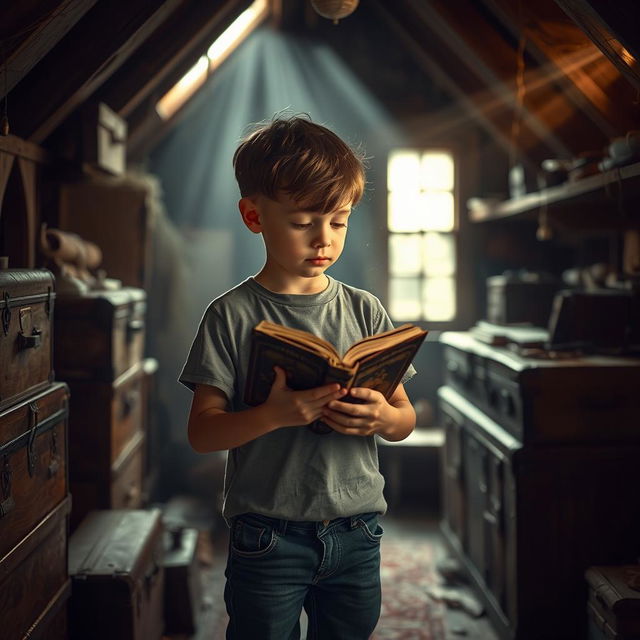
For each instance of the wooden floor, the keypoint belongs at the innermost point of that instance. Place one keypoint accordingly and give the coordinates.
(406, 523)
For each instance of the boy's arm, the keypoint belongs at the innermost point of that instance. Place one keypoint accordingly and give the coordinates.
(212, 427)
(392, 420)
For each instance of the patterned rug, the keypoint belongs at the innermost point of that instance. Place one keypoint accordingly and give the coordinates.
(408, 613)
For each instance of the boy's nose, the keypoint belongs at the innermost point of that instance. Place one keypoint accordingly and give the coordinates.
(322, 239)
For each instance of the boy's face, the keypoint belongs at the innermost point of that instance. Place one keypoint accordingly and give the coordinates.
(299, 243)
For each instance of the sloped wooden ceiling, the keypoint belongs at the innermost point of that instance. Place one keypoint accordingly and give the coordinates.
(530, 73)
(526, 71)
(60, 53)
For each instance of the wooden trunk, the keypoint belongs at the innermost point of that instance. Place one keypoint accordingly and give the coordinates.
(115, 562)
(526, 521)
(107, 444)
(33, 462)
(26, 312)
(182, 581)
(104, 138)
(614, 601)
(34, 584)
(99, 336)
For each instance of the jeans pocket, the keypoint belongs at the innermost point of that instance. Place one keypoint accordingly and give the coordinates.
(251, 538)
(370, 527)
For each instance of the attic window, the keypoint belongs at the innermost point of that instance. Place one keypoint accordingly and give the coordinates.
(421, 225)
(216, 54)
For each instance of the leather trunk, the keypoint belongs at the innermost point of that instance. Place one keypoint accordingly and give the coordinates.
(182, 597)
(26, 313)
(99, 336)
(118, 488)
(614, 601)
(115, 563)
(33, 462)
(34, 583)
(107, 453)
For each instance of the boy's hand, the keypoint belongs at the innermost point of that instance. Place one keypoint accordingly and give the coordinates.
(372, 414)
(288, 408)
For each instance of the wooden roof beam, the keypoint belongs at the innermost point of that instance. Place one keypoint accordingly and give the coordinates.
(174, 45)
(441, 60)
(614, 27)
(41, 37)
(90, 53)
(587, 76)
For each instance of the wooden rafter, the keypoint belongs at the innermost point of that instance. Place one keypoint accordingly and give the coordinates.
(90, 53)
(587, 76)
(454, 64)
(146, 127)
(614, 27)
(22, 51)
(180, 41)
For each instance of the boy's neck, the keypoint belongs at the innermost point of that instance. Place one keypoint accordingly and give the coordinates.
(295, 286)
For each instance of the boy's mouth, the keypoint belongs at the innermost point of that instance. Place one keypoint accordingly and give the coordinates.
(319, 260)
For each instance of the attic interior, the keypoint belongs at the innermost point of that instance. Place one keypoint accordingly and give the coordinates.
(502, 146)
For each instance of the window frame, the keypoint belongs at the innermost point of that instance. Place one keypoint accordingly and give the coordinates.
(461, 312)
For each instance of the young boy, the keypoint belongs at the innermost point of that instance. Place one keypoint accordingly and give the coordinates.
(302, 506)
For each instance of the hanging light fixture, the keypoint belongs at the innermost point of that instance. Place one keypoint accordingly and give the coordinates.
(334, 9)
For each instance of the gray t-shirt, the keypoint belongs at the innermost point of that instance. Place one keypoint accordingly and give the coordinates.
(291, 473)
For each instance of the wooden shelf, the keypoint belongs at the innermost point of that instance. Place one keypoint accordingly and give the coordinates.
(593, 195)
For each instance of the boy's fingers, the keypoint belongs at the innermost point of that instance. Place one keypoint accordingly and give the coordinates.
(325, 392)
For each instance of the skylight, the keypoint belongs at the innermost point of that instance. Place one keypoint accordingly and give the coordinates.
(217, 53)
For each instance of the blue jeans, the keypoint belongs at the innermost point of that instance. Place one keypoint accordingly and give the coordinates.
(277, 567)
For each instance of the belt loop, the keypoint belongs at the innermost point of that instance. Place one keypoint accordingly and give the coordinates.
(354, 521)
(282, 527)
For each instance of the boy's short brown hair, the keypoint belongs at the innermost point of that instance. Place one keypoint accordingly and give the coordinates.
(305, 160)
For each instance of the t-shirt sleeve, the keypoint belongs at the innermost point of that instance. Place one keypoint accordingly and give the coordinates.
(382, 322)
(211, 359)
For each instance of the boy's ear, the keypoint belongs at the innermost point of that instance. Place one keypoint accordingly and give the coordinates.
(250, 214)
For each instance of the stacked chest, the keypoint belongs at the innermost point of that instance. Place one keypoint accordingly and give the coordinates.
(99, 342)
(34, 500)
(538, 479)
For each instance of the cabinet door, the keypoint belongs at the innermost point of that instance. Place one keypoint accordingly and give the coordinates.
(453, 481)
(495, 530)
(475, 456)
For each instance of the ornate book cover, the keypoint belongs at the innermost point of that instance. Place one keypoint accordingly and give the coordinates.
(376, 362)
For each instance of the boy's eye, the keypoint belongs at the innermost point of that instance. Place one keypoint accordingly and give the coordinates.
(339, 225)
(300, 225)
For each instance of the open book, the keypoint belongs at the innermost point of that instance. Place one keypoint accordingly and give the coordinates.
(376, 362)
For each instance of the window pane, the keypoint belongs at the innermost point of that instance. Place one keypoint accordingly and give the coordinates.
(437, 171)
(403, 171)
(404, 295)
(439, 299)
(405, 212)
(439, 254)
(405, 254)
(439, 210)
